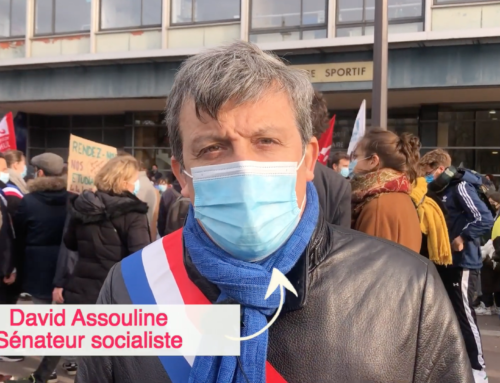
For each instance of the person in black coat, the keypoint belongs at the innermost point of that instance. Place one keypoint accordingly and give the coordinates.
(334, 191)
(105, 227)
(39, 224)
(7, 264)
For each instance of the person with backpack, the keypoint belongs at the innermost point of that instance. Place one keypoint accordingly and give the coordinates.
(105, 227)
(469, 218)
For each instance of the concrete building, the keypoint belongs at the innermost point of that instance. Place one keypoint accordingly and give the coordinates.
(102, 69)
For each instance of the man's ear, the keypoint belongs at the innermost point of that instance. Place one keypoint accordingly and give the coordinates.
(375, 161)
(311, 157)
(183, 179)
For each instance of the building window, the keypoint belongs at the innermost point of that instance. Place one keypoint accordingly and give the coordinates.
(283, 20)
(445, 2)
(12, 18)
(61, 16)
(204, 11)
(126, 14)
(356, 17)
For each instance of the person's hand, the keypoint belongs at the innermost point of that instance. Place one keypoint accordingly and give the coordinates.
(57, 295)
(10, 280)
(457, 244)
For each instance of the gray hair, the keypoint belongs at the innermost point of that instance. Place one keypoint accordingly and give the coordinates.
(240, 72)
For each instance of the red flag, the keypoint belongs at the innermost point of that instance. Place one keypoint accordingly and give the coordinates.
(7, 133)
(325, 143)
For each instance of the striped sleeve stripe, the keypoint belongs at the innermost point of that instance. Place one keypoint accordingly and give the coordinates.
(470, 204)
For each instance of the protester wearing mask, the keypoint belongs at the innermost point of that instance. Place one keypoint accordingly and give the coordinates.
(490, 273)
(384, 169)
(106, 226)
(339, 162)
(468, 220)
(246, 162)
(16, 188)
(334, 192)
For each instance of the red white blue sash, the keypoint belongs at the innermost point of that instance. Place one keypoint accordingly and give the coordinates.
(156, 275)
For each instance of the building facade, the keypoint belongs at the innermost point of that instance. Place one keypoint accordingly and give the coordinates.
(102, 69)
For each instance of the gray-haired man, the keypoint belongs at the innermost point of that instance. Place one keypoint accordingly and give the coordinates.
(241, 133)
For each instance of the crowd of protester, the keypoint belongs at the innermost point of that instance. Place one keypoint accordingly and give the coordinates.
(60, 248)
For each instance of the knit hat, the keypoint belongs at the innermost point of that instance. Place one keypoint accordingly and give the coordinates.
(50, 163)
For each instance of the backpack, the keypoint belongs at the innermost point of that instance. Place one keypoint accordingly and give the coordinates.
(177, 214)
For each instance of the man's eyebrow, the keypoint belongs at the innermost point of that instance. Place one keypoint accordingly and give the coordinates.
(200, 139)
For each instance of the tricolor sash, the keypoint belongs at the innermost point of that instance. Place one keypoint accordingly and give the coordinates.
(157, 275)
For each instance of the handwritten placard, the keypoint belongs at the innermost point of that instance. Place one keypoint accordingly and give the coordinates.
(85, 160)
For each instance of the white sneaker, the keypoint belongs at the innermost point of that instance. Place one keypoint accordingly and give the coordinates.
(480, 376)
(483, 310)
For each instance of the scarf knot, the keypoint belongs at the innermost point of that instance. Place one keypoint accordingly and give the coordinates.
(247, 284)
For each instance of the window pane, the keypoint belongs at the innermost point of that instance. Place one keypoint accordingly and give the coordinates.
(43, 18)
(458, 1)
(460, 133)
(89, 134)
(58, 138)
(406, 28)
(350, 11)
(117, 120)
(87, 121)
(350, 32)
(401, 9)
(213, 10)
(182, 11)
(120, 13)
(488, 161)
(5, 18)
(150, 136)
(72, 16)
(487, 130)
(314, 12)
(160, 157)
(37, 138)
(272, 37)
(18, 27)
(58, 122)
(275, 13)
(115, 137)
(151, 12)
(316, 34)
(370, 10)
(464, 157)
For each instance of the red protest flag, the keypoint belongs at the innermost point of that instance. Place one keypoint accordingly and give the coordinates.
(325, 143)
(7, 134)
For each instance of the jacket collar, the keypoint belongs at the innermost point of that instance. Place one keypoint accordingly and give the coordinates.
(299, 275)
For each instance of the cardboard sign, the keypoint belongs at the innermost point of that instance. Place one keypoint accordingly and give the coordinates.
(85, 160)
(7, 134)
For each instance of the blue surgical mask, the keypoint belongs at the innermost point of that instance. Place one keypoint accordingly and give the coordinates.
(4, 177)
(344, 172)
(24, 172)
(429, 178)
(137, 187)
(248, 208)
(352, 165)
(162, 188)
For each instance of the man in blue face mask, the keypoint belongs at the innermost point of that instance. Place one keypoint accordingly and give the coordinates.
(244, 153)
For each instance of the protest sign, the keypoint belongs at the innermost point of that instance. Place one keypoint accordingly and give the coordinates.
(85, 160)
(7, 134)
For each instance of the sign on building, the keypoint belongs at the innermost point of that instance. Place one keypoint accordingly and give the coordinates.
(339, 72)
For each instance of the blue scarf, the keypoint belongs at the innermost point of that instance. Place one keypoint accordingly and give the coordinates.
(247, 284)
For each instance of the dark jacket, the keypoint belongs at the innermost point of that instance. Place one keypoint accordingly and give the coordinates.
(7, 263)
(167, 199)
(468, 217)
(39, 224)
(352, 322)
(334, 194)
(103, 229)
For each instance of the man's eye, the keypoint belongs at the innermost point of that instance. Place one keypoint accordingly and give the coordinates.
(266, 141)
(211, 149)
